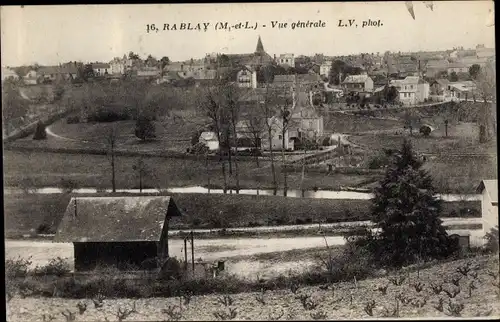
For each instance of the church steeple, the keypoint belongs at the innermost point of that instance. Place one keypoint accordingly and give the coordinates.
(260, 47)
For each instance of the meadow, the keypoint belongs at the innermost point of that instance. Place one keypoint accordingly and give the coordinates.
(26, 213)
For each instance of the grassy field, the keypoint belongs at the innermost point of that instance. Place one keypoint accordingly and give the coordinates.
(462, 138)
(347, 123)
(451, 172)
(47, 169)
(172, 133)
(416, 297)
(24, 213)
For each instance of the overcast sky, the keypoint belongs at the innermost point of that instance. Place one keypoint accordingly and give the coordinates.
(54, 34)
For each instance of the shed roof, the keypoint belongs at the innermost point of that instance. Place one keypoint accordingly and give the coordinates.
(491, 187)
(110, 219)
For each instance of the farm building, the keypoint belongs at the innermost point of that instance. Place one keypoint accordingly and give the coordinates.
(117, 231)
(489, 203)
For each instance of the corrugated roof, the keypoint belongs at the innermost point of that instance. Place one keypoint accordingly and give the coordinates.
(491, 187)
(108, 219)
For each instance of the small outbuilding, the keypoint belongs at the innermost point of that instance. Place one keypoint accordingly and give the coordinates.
(489, 204)
(117, 231)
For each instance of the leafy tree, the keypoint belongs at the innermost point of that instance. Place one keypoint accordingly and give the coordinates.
(144, 128)
(224, 61)
(390, 94)
(453, 77)
(86, 72)
(406, 212)
(133, 56)
(474, 71)
(40, 133)
(13, 105)
(164, 61)
(151, 61)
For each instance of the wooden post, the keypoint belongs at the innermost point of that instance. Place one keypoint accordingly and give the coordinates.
(192, 249)
(185, 254)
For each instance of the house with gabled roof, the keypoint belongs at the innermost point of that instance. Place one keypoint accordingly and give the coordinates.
(101, 69)
(118, 231)
(412, 90)
(489, 203)
(246, 77)
(57, 73)
(358, 83)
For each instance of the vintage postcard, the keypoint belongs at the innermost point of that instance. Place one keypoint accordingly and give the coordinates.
(250, 161)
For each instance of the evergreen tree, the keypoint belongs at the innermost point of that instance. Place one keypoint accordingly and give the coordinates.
(406, 213)
(144, 128)
(40, 133)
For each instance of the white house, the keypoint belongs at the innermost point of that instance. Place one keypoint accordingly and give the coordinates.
(119, 66)
(31, 78)
(358, 83)
(412, 90)
(286, 60)
(101, 69)
(489, 204)
(325, 67)
(246, 77)
(210, 140)
(276, 125)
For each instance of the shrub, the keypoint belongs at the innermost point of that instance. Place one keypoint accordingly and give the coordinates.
(492, 242)
(55, 267)
(425, 130)
(73, 119)
(199, 149)
(18, 267)
(68, 185)
(144, 128)
(40, 133)
(378, 162)
(43, 229)
(171, 269)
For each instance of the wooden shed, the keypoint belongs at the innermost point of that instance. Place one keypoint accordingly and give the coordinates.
(117, 231)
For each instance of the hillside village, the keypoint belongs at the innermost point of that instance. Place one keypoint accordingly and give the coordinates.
(367, 79)
(131, 167)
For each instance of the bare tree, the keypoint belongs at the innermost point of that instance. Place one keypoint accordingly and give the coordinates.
(284, 108)
(268, 113)
(232, 105)
(142, 171)
(255, 125)
(486, 85)
(111, 141)
(307, 143)
(213, 109)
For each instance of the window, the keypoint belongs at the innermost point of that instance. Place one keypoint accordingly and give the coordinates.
(280, 137)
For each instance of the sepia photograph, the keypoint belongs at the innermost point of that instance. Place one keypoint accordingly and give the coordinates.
(250, 161)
